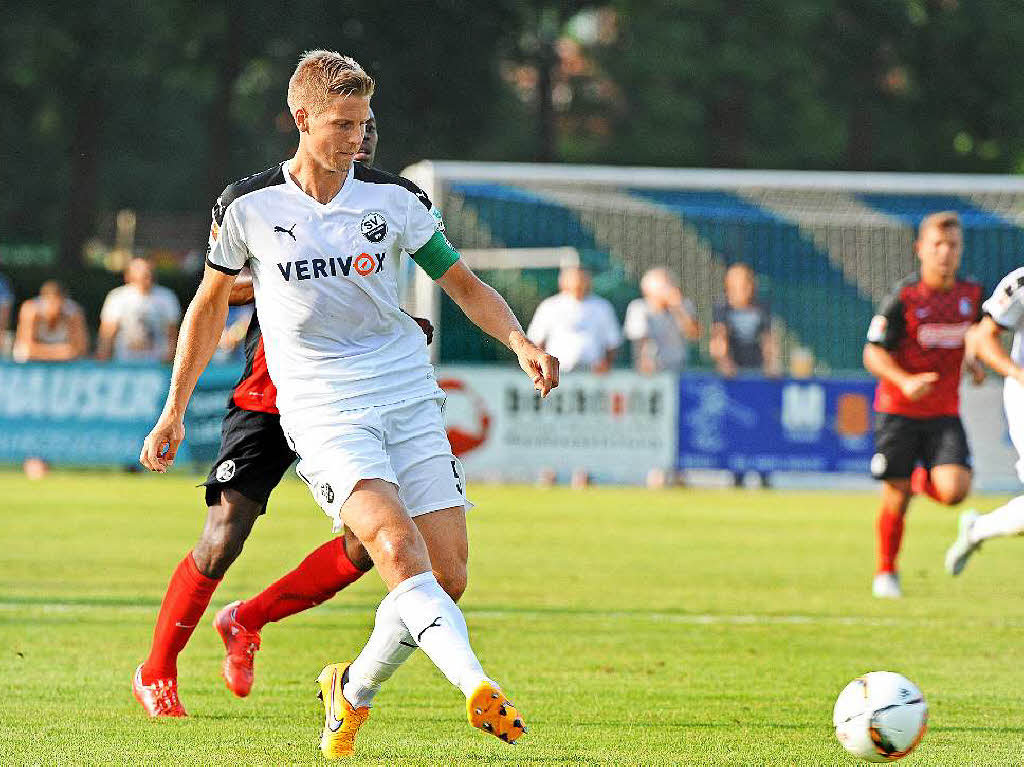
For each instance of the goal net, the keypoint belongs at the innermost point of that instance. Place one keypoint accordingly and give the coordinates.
(826, 247)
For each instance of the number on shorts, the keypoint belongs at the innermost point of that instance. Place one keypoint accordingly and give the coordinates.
(458, 479)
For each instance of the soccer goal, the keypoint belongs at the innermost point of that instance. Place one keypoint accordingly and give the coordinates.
(826, 247)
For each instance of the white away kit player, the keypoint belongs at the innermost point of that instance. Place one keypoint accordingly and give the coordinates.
(357, 394)
(1004, 310)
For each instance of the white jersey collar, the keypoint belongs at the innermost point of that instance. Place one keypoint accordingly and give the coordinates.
(345, 187)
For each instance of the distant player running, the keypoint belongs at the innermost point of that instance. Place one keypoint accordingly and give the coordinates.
(916, 350)
(356, 391)
(1004, 310)
(253, 458)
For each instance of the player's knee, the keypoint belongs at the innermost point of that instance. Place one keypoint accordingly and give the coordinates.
(950, 496)
(357, 553)
(227, 526)
(454, 581)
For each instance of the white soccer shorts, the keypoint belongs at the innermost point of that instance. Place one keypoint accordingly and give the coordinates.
(1013, 402)
(404, 443)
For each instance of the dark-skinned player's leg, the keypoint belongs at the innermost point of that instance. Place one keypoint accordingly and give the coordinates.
(253, 458)
(228, 524)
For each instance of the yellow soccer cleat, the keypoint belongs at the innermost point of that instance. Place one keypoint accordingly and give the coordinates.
(489, 710)
(341, 720)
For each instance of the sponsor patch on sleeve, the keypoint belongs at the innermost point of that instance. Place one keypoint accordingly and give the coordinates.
(876, 330)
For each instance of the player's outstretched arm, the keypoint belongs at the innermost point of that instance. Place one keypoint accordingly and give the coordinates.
(200, 332)
(488, 311)
(984, 344)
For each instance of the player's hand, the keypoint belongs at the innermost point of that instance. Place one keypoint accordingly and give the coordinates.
(977, 371)
(427, 327)
(536, 363)
(162, 444)
(918, 385)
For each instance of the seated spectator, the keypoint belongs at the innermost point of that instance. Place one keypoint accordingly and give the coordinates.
(51, 327)
(741, 330)
(6, 305)
(139, 320)
(575, 325)
(660, 324)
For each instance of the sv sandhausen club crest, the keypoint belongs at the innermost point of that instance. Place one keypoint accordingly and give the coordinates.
(374, 227)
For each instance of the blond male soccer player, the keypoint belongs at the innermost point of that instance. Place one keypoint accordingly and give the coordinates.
(356, 391)
(253, 458)
(1004, 311)
(915, 347)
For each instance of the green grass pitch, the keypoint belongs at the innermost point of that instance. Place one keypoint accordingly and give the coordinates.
(632, 627)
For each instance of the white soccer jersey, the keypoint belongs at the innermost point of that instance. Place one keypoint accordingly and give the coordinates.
(325, 283)
(1006, 307)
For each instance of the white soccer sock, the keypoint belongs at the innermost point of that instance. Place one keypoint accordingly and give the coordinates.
(438, 627)
(1006, 520)
(388, 647)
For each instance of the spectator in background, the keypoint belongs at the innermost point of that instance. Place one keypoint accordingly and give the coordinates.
(660, 324)
(139, 320)
(6, 305)
(51, 327)
(742, 337)
(575, 325)
(741, 330)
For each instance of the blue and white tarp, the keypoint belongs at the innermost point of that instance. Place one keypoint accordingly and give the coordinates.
(744, 424)
(91, 413)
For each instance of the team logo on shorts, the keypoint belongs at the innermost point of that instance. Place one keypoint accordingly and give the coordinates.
(374, 227)
(225, 471)
(326, 493)
(879, 464)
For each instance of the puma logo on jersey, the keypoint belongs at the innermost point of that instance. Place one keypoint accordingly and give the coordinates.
(289, 232)
(317, 268)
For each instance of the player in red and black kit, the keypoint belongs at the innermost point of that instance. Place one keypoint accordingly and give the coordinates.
(916, 350)
(252, 460)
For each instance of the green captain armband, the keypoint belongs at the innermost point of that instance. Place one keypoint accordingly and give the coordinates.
(436, 256)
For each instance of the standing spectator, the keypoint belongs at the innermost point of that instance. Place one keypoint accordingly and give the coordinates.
(51, 327)
(660, 324)
(575, 325)
(741, 329)
(6, 305)
(742, 337)
(139, 320)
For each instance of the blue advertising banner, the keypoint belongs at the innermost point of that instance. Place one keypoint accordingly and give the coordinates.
(93, 413)
(756, 424)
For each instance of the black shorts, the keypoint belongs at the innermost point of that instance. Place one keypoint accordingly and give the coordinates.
(901, 443)
(253, 456)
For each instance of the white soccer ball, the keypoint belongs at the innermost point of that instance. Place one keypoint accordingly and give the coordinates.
(880, 716)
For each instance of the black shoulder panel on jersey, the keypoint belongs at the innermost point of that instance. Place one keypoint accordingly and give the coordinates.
(374, 176)
(269, 177)
(908, 281)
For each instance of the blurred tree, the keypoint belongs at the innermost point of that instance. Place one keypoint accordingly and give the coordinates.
(156, 106)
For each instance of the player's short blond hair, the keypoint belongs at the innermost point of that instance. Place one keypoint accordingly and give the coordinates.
(946, 219)
(322, 74)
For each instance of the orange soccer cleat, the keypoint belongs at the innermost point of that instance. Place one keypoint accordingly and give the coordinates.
(159, 698)
(489, 710)
(339, 737)
(241, 645)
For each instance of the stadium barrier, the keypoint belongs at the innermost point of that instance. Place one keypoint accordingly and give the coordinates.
(616, 426)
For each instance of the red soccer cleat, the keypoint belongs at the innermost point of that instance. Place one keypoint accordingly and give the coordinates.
(159, 698)
(241, 645)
